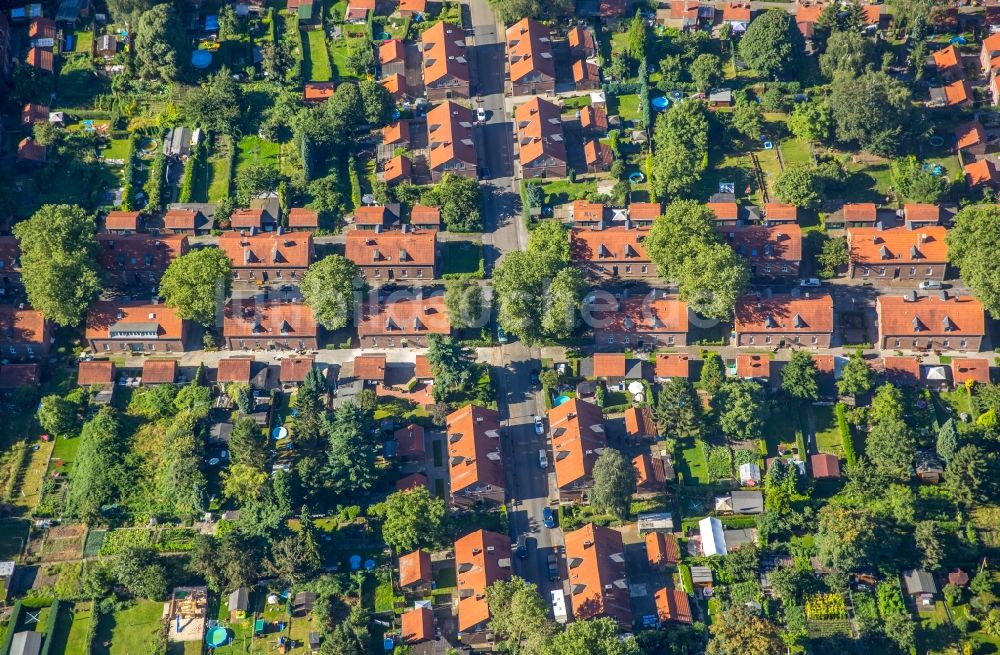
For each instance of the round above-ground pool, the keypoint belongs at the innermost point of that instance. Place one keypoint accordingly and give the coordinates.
(659, 102)
(560, 399)
(636, 177)
(217, 636)
(201, 59)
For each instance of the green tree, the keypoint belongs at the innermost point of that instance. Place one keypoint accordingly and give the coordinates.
(972, 244)
(351, 456)
(196, 284)
(678, 407)
(741, 410)
(850, 538)
(99, 471)
(635, 38)
(216, 103)
(930, 544)
(594, 637)
(411, 519)
(914, 181)
(713, 279)
(891, 447)
(253, 180)
(60, 416)
(966, 475)
(887, 404)
(519, 616)
(873, 110)
(328, 287)
(450, 363)
(242, 482)
(833, 256)
(947, 440)
(740, 631)
(551, 241)
(161, 44)
(561, 301)
(846, 52)
(713, 373)
(378, 103)
(800, 185)
(812, 121)
(464, 300)
(239, 393)
(706, 72)
(140, 572)
(857, 377)
(58, 262)
(684, 226)
(798, 377)
(748, 118)
(460, 200)
(248, 444)
(680, 153)
(773, 45)
(614, 484)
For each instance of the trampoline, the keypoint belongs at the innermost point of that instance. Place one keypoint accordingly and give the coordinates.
(279, 432)
(217, 636)
(659, 102)
(636, 177)
(935, 141)
(201, 59)
(355, 562)
(214, 461)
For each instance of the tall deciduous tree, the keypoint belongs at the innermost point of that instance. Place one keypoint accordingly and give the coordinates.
(891, 447)
(593, 637)
(561, 301)
(713, 279)
(798, 377)
(328, 287)
(684, 225)
(460, 200)
(216, 103)
(773, 45)
(58, 262)
(464, 300)
(740, 631)
(812, 121)
(678, 408)
(680, 153)
(973, 243)
(857, 377)
(748, 118)
(873, 110)
(197, 283)
(248, 444)
(800, 185)
(411, 519)
(846, 52)
(614, 484)
(160, 44)
(519, 616)
(850, 537)
(742, 410)
(706, 72)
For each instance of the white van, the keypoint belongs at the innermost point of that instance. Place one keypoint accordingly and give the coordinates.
(559, 606)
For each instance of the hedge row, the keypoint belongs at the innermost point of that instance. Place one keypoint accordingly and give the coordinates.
(50, 628)
(191, 170)
(850, 454)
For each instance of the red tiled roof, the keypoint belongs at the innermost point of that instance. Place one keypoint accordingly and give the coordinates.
(947, 59)
(370, 368)
(587, 212)
(371, 215)
(644, 211)
(294, 369)
(639, 422)
(616, 244)
(414, 567)
(869, 245)
(301, 217)
(662, 549)
(247, 218)
(268, 250)
(778, 211)
(481, 558)
(269, 318)
(10, 253)
(970, 134)
(921, 213)
(982, 171)
(529, 51)
(105, 314)
(449, 135)
(42, 28)
(412, 481)
(673, 366)
(41, 59)
(96, 372)
(958, 92)
(780, 243)
(405, 317)
(28, 150)
(753, 366)
(159, 371)
(597, 153)
(397, 169)
(660, 316)
(808, 12)
(901, 370)
(122, 220)
(422, 368)
(180, 219)
(597, 578)
(539, 132)
(13, 376)
(417, 625)
(424, 216)
(444, 54)
(736, 11)
(234, 369)
(577, 429)
(139, 251)
(595, 118)
(398, 132)
(410, 441)
(858, 212)
(34, 113)
(784, 313)
(390, 51)
(395, 84)
(473, 443)
(673, 605)
(585, 71)
(977, 370)
(318, 91)
(724, 211)
(825, 465)
(609, 365)
(930, 315)
(21, 325)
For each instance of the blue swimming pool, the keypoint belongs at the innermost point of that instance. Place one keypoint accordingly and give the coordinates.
(560, 400)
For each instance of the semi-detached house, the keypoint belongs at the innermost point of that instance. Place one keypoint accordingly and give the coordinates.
(578, 439)
(529, 56)
(446, 68)
(475, 467)
(936, 322)
(898, 253)
(271, 325)
(394, 255)
(449, 141)
(595, 559)
(270, 257)
(541, 147)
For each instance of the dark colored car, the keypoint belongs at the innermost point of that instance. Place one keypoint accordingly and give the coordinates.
(548, 517)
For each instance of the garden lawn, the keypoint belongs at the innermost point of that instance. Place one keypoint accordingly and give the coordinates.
(692, 464)
(64, 453)
(316, 58)
(935, 632)
(463, 258)
(563, 191)
(117, 150)
(628, 107)
(70, 635)
(129, 631)
(218, 177)
(34, 475)
(959, 402)
(256, 150)
(827, 435)
(779, 429)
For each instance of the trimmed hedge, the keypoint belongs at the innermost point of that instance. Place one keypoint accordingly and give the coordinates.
(15, 616)
(850, 455)
(50, 628)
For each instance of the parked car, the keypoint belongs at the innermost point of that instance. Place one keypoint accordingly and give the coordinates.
(539, 425)
(522, 546)
(480, 115)
(809, 282)
(501, 335)
(930, 284)
(543, 460)
(548, 519)
(553, 563)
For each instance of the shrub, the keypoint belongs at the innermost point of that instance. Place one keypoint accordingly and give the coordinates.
(850, 455)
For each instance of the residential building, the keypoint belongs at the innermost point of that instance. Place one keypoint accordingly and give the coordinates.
(970, 371)
(639, 423)
(271, 257)
(410, 445)
(41, 59)
(374, 218)
(186, 221)
(24, 333)
(415, 571)
(737, 15)
(777, 213)
(898, 253)
(584, 214)
(96, 373)
(673, 606)
(806, 15)
(617, 252)
(529, 53)
(937, 322)
(301, 219)
(293, 370)
(416, 625)
(396, 255)
(317, 92)
(245, 370)
(541, 148)
(423, 217)
(34, 113)
(397, 170)
(753, 367)
(121, 222)
(771, 252)
(918, 216)
(642, 215)
(159, 371)
(475, 467)
(672, 366)
(450, 143)
(641, 323)
(578, 439)
(593, 121)
(582, 44)
(901, 371)
(135, 327)
(595, 559)
(392, 57)
(406, 321)
(727, 214)
(586, 75)
(784, 320)
(662, 549)
(446, 67)
(970, 138)
(10, 264)
(989, 54)
(598, 156)
(650, 473)
(948, 64)
(825, 466)
(978, 173)
(481, 558)
(864, 214)
(397, 134)
(30, 154)
(370, 369)
(138, 259)
(395, 84)
(269, 325)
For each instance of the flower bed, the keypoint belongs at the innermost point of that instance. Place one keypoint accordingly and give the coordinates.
(821, 607)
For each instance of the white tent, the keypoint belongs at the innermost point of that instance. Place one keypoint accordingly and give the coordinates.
(713, 541)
